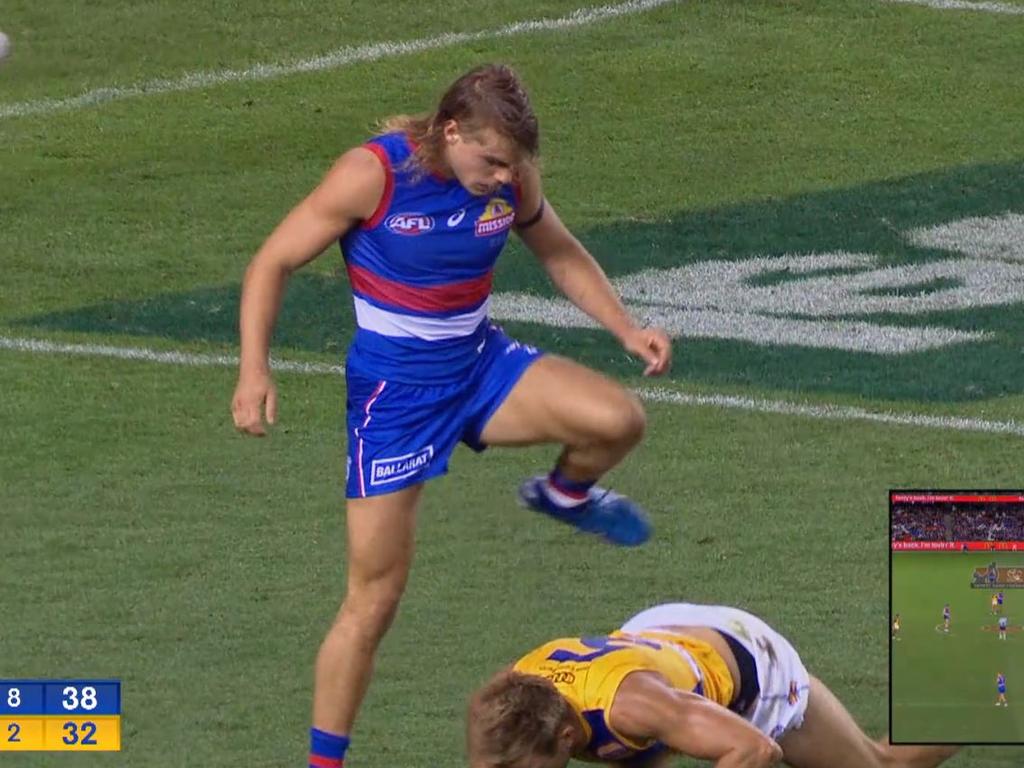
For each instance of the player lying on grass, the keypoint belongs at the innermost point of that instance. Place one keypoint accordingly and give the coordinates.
(710, 682)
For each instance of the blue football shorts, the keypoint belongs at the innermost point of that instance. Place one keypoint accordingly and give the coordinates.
(402, 434)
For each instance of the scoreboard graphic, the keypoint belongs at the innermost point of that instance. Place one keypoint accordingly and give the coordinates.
(60, 715)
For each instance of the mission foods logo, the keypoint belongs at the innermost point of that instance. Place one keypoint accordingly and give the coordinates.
(498, 216)
(834, 300)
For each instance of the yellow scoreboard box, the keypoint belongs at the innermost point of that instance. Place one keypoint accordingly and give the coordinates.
(60, 715)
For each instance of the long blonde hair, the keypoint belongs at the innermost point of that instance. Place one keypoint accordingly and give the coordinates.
(514, 717)
(489, 96)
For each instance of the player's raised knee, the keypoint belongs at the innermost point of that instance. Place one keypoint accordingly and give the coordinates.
(624, 421)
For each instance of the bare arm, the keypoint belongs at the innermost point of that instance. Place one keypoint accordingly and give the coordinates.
(579, 277)
(647, 707)
(348, 193)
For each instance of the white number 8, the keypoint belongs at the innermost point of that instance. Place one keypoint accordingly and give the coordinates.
(13, 697)
(89, 700)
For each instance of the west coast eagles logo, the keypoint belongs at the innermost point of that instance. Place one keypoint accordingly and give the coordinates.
(794, 693)
(498, 216)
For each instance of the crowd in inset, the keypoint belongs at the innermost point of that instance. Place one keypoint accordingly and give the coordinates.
(919, 523)
(928, 522)
(996, 523)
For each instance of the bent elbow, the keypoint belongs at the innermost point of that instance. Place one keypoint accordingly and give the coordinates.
(768, 753)
(266, 266)
(759, 753)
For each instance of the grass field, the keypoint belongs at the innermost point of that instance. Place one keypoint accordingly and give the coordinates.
(822, 200)
(943, 685)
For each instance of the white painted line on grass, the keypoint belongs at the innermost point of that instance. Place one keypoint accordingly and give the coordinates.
(835, 412)
(340, 57)
(652, 394)
(965, 5)
(146, 355)
(347, 55)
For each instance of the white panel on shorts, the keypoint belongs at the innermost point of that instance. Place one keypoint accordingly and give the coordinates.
(781, 675)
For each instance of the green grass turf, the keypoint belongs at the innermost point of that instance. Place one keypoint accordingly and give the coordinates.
(143, 540)
(150, 543)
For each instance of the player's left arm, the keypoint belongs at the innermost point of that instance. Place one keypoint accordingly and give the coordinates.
(579, 277)
(647, 707)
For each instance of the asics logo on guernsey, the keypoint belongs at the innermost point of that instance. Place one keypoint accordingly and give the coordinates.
(409, 224)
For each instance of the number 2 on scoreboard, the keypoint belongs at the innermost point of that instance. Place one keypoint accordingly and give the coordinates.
(14, 729)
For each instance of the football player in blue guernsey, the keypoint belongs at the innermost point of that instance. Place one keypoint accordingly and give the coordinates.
(706, 681)
(422, 212)
(945, 618)
(1001, 690)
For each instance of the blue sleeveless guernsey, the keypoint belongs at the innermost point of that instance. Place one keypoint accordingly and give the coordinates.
(421, 270)
(426, 369)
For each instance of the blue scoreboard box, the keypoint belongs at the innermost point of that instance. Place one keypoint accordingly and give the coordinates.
(60, 715)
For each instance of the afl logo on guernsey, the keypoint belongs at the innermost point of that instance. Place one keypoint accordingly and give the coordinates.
(409, 224)
(498, 216)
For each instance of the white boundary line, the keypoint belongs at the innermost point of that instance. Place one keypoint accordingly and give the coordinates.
(835, 412)
(146, 355)
(965, 5)
(340, 57)
(652, 394)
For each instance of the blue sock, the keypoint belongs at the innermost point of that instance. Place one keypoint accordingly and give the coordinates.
(326, 750)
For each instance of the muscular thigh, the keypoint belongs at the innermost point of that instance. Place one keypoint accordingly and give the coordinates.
(829, 736)
(381, 538)
(557, 400)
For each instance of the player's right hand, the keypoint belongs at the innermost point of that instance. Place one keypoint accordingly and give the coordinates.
(254, 391)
